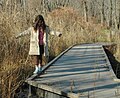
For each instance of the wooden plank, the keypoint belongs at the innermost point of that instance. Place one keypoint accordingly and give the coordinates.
(53, 90)
(88, 46)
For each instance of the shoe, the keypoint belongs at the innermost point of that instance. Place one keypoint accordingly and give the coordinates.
(36, 70)
(39, 68)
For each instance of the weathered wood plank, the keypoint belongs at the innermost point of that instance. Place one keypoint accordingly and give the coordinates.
(51, 89)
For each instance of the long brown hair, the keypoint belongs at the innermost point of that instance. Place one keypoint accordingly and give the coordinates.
(39, 22)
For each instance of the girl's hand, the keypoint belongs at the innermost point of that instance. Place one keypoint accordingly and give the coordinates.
(16, 37)
(60, 35)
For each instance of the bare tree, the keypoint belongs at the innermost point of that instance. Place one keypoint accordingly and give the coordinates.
(102, 12)
(115, 15)
(118, 25)
(85, 7)
(111, 16)
(92, 8)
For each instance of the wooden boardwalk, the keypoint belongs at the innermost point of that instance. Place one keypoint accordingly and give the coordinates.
(82, 71)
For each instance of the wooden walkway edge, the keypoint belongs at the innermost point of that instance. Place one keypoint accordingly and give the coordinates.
(90, 73)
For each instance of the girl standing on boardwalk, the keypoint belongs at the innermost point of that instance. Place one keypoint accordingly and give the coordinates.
(39, 41)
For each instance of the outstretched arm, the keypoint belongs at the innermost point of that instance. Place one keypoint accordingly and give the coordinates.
(26, 32)
(56, 33)
(51, 32)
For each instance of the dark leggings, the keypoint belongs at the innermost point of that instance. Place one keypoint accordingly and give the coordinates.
(39, 57)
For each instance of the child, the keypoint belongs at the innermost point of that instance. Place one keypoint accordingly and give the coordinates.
(39, 41)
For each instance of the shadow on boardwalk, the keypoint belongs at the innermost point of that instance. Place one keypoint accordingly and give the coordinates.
(115, 64)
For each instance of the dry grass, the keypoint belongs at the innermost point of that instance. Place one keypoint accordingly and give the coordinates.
(75, 29)
(14, 68)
